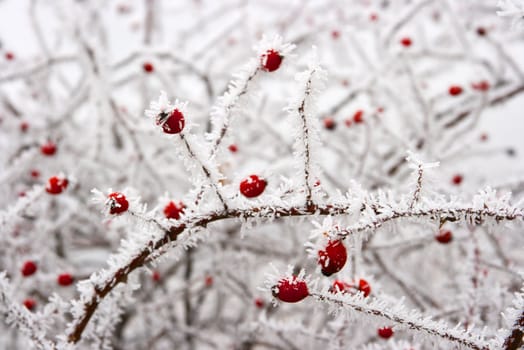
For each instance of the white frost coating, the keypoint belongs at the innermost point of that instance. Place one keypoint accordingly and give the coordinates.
(30, 324)
(305, 124)
(513, 9)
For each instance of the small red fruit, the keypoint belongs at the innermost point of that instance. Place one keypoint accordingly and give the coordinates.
(290, 290)
(9, 56)
(172, 123)
(56, 185)
(173, 211)
(457, 179)
(444, 236)
(333, 258)
(233, 148)
(482, 85)
(148, 67)
(30, 303)
(208, 281)
(271, 60)
(373, 17)
(29, 268)
(481, 31)
(259, 303)
(364, 287)
(385, 332)
(252, 186)
(35, 173)
(406, 42)
(335, 34)
(117, 203)
(358, 116)
(48, 148)
(65, 279)
(455, 90)
(156, 276)
(340, 286)
(329, 123)
(24, 126)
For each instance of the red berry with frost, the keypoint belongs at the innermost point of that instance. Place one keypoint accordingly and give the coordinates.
(148, 67)
(329, 123)
(444, 236)
(117, 203)
(455, 90)
(65, 279)
(233, 148)
(48, 148)
(30, 303)
(457, 179)
(385, 332)
(358, 116)
(172, 123)
(406, 42)
(56, 185)
(364, 287)
(29, 268)
(333, 258)
(271, 60)
(252, 186)
(339, 287)
(290, 290)
(173, 211)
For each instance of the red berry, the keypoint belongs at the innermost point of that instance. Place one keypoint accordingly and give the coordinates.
(358, 116)
(385, 332)
(455, 90)
(64, 279)
(173, 211)
(373, 17)
(290, 290)
(35, 173)
(233, 148)
(9, 56)
(364, 287)
(155, 276)
(271, 60)
(444, 236)
(56, 185)
(482, 85)
(335, 34)
(333, 258)
(30, 303)
(148, 67)
(329, 123)
(340, 286)
(174, 123)
(117, 203)
(259, 303)
(48, 148)
(481, 31)
(483, 137)
(406, 42)
(208, 281)
(29, 268)
(457, 179)
(252, 186)
(24, 126)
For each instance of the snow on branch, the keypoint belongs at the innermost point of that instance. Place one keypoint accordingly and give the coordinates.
(403, 318)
